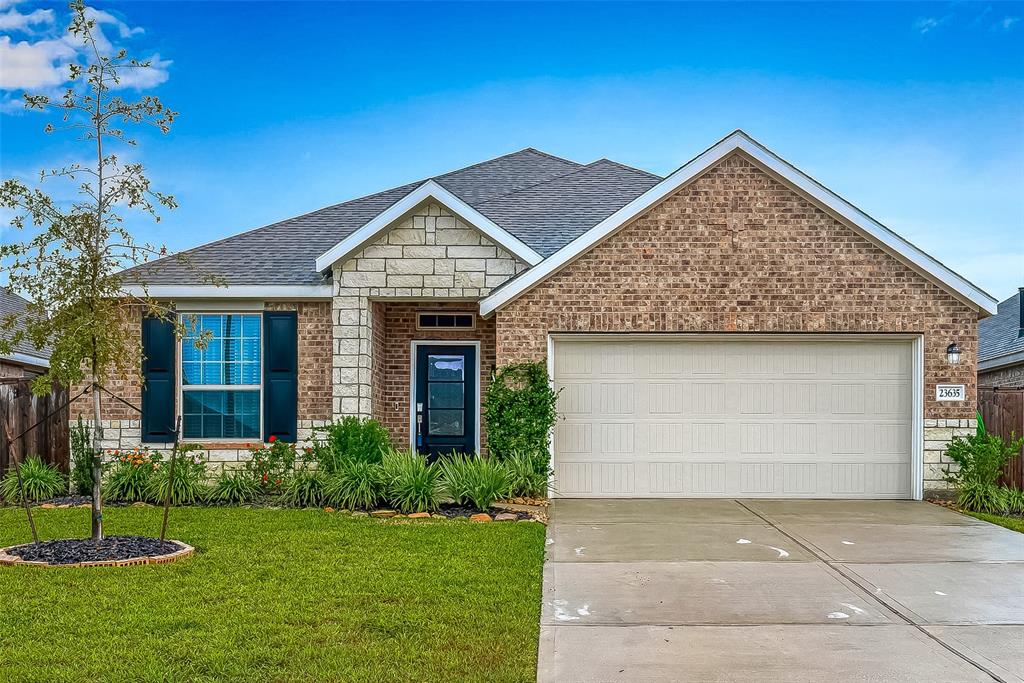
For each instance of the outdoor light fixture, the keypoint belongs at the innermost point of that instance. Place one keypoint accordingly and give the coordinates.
(953, 353)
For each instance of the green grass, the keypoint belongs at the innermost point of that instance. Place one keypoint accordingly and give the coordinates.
(278, 595)
(1015, 523)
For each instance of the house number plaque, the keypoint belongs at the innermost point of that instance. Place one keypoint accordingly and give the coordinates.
(950, 392)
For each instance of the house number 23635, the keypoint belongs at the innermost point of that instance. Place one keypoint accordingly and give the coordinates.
(950, 392)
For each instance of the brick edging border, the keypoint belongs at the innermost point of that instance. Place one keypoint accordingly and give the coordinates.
(6, 559)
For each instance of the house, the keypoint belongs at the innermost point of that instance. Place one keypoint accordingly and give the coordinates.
(733, 329)
(25, 360)
(1001, 346)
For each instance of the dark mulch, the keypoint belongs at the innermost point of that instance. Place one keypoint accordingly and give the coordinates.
(73, 550)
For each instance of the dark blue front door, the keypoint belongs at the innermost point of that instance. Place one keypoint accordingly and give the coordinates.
(446, 400)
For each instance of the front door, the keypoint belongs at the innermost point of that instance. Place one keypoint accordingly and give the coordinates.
(446, 401)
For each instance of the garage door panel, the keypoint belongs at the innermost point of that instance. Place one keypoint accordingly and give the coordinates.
(737, 418)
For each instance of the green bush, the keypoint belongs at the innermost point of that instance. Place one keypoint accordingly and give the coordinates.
(269, 465)
(351, 438)
(355, 485)
(129, 475)
(233, 488)
(411, 483)
(40, 482)
(520, 411)
(189, 478)
(82, 455)
(523, 477)
(304, 489)
(1014, 501)
(472, 480)
(980, 458)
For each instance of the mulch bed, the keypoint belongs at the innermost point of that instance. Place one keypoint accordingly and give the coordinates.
(77, 550)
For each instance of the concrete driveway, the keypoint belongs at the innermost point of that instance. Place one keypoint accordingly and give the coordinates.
(724, 590)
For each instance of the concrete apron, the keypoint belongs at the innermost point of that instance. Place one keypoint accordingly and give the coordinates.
(722, 590)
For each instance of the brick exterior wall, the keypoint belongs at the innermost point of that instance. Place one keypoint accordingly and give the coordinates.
(128, 386)
(784, 266)
(431, 255)
(397, 324)
(1011, 377)
(121, 426)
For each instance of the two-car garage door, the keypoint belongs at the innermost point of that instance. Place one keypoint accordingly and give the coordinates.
(754, 417)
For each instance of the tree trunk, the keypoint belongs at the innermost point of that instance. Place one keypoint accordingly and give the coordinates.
(97, 469)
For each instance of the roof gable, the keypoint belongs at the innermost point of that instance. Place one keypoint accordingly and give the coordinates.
(999, 338)
(781, 170)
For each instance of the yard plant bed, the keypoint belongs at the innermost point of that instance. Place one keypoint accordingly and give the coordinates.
(279, 595)
(110, 550)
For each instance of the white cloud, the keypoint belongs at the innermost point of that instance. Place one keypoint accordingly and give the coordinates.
(928, 24)
(41, 65)
(1008, 22)
(13, 20)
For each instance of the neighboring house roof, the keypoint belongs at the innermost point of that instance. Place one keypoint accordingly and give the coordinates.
(285, 253)
(999, 339)
(740, 141)
(16, 307)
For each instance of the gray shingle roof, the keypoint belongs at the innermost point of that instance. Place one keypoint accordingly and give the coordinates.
(16, 307)
(999, 335)
(546, 201)
(549, 215)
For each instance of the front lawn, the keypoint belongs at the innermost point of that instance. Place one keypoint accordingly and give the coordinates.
(1015, 523)
(278, 595)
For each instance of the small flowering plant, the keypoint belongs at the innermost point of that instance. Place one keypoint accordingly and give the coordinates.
(129, 473)
(271, 463)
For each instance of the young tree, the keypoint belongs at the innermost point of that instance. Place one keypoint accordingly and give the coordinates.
(71, 265)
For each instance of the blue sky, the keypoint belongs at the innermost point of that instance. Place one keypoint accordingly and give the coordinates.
(914, 112)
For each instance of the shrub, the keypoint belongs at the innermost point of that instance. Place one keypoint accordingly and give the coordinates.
(271, 464)
(129, 475)
(82, 455)
(1014, 501)
(351, 438)
(355, 484)
(304, 489)
(981, 458)
(233, 488)
(411, 483)
(472, 480)
(189, 478)
(523, 477)
(40, 482)
(520, 411)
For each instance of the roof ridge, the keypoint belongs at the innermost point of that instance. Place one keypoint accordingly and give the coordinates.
(627, 167)
(504, 156)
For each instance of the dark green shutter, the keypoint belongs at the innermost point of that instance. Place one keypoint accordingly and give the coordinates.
(280, 375)
(158, 348)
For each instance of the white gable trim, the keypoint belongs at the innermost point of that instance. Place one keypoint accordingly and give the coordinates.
(428, 190)
(739, 140)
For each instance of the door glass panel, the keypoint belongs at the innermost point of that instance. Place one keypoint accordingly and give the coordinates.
(447, 395)
(446, 422)
(447, 368)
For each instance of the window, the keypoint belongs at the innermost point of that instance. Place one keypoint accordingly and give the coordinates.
(442, 321)
(221, 383)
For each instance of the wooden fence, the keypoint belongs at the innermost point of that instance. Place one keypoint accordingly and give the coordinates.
(1003, 412)
(19, 410)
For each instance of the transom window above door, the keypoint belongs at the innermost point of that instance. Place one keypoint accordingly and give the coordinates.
(436, 320)
(221, 379)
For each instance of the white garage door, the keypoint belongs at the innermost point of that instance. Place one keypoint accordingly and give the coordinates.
(757, 418)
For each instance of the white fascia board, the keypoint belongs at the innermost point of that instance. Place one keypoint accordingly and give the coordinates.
(739, 140)
(230, 292)
(428, 190)
(26, 359)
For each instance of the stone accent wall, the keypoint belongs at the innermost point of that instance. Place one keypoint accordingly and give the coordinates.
(431, 254)
(397, 322)
(937, 436)
(1011, 377)
(784, 266)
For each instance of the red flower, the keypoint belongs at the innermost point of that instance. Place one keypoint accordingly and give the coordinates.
(272, 438)
(265, 477)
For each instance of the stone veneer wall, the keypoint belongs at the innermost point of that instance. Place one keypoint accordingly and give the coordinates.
(431, 254)
(790, 268)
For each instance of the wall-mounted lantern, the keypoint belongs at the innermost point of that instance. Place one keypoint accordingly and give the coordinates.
(953, 353)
